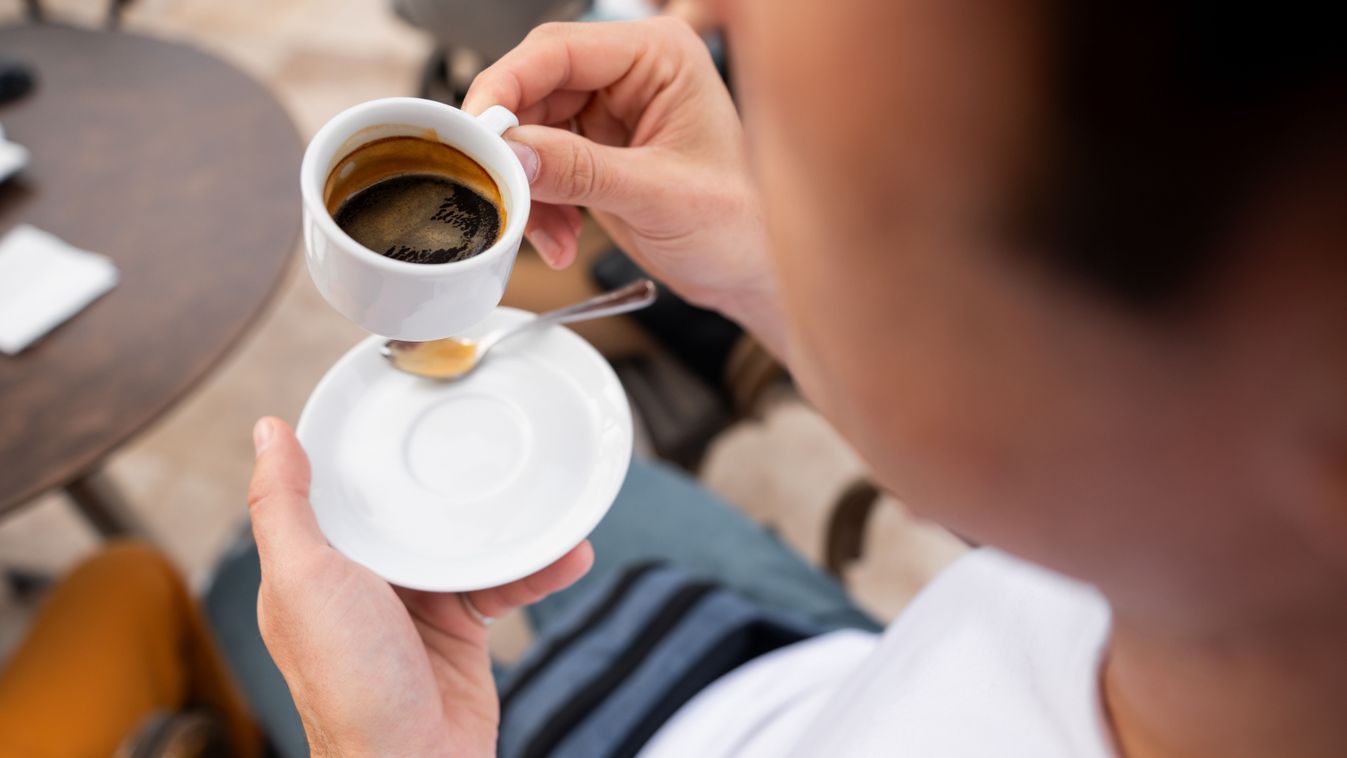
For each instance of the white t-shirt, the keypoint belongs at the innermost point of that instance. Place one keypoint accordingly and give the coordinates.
(996, 657)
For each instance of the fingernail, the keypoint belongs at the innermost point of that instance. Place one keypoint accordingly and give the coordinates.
(528, 158)
(262, 434)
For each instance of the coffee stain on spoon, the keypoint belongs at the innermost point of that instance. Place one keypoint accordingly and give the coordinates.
(437, 359)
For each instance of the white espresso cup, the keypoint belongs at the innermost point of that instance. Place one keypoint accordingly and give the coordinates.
(399, 299)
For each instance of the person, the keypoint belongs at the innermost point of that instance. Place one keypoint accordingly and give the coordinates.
(1068, 276)
(120, 661)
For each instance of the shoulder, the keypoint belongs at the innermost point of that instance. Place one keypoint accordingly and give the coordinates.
(996, 655)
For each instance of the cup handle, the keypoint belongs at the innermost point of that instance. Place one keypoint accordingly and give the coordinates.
(498, 118)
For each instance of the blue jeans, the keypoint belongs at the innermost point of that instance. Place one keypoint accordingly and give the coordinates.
(662, 515)
(659, 514)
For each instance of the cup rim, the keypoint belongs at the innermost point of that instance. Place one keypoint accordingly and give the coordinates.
(336, 129)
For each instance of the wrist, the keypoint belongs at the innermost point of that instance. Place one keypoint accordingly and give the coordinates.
(759, 310)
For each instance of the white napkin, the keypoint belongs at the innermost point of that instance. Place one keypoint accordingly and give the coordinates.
(13, 157)
(43, 282)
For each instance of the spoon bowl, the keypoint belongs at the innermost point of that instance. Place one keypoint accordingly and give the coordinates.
(451, 358)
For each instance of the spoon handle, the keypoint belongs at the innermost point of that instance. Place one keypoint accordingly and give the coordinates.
(632, 297)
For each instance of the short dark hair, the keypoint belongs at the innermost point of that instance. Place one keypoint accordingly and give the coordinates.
(1165, 119)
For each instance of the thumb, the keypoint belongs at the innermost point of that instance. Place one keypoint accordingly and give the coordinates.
(568, 169)
(278, 496)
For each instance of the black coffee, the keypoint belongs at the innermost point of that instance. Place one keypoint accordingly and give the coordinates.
(415, 199)
(420, 218)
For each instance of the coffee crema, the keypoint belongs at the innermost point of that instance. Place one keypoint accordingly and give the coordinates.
(416, 200)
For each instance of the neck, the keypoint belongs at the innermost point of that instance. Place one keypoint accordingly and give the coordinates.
(1276, 688)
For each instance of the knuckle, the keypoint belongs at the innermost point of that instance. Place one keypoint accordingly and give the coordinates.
(533, 588)
(264, 495)
(548, 30)
(257, 495)
(581, 178)
(260, 512)
(275, 604)
(666, 69)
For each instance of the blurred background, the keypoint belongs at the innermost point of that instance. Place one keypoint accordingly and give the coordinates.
(716, 406)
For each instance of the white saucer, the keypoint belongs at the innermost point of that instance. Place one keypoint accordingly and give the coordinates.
(470, 484)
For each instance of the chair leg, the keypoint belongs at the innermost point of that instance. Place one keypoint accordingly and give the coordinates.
(26, 584)
(115, 11)
(104, 507)
(845, 537)
(434, 84)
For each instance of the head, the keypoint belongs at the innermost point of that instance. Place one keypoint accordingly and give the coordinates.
(1073, 280)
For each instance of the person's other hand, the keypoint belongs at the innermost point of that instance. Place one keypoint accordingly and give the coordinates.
(373, 669)
(632, 121)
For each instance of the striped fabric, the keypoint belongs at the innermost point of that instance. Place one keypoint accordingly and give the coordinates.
(607, 676)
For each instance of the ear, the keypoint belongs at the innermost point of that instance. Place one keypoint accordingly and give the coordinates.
(1277, 334)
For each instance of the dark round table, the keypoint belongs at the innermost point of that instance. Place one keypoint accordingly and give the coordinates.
(183, 170)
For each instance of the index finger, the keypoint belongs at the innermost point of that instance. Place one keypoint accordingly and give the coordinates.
(444, 610)
(580, 57)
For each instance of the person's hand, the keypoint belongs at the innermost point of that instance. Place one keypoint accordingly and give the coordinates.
(632, 121)
(374, 669)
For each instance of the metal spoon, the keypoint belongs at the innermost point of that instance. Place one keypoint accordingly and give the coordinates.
(451, 358)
